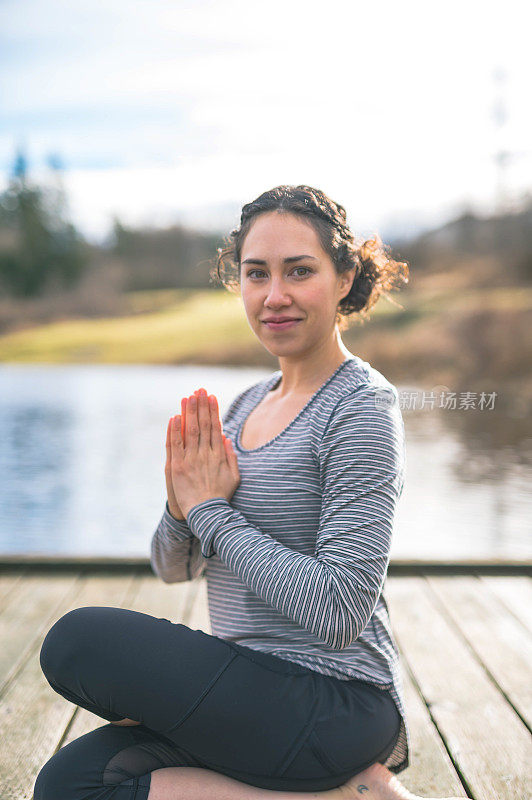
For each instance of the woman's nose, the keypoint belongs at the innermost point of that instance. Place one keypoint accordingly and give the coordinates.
(277, 293)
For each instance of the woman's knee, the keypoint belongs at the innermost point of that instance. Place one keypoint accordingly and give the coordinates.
(56, 779)
(94, 764)
(64, 643)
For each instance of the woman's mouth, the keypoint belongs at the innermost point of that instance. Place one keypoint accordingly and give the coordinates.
(281, 326)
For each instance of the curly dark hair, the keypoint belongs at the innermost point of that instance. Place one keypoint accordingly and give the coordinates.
(376, 272)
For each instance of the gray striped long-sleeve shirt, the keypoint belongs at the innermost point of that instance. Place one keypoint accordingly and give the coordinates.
(296, 562)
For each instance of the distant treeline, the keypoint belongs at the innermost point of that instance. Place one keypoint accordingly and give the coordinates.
(506, 238)
(175, 257)
(39, 246)
(41, 252)
(178, 257)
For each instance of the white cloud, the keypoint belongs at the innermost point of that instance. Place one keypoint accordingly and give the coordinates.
(388, 106)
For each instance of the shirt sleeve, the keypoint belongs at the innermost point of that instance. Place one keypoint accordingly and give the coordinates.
(333, 593)
(175, 551)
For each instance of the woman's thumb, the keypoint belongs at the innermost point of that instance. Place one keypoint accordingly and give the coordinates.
(231, 457)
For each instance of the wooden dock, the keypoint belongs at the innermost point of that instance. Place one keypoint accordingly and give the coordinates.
(465, 636)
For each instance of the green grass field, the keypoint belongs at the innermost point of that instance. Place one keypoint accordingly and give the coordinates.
(439, 334)
(164, 328)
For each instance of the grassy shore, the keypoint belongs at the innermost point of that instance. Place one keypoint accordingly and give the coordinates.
(441, 336)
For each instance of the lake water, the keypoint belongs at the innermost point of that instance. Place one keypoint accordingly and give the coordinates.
(83, 450)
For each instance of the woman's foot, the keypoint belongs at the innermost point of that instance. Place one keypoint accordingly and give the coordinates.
(375, 783)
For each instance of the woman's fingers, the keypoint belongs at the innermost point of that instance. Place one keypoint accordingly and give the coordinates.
(217, 437)
(184, 416)
(204, 418)
(192, 432)
(183, 419)
(168, 441)
(175, 438)
(169, 431)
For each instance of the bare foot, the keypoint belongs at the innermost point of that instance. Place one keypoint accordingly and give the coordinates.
(377, 783)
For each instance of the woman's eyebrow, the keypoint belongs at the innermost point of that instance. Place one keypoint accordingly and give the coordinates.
(288, 260)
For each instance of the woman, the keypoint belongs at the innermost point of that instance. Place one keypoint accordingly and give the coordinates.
(288, 509)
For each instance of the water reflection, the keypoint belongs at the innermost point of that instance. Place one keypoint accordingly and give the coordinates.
(83, 451)
(468, 488)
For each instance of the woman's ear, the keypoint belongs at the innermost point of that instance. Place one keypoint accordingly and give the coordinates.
(346, 281)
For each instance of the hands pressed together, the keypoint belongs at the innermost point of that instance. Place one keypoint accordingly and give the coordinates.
(200, 460)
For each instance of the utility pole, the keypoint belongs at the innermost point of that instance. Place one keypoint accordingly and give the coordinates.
(507, 199)
(502, 157)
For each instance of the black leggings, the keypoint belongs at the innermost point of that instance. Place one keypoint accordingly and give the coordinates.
(203, 702)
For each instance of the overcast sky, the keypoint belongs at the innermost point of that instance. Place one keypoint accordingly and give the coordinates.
(166, 110)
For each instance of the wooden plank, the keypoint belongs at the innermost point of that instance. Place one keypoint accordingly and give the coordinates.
(32, 716)
(8, 583)
(502, 645)
(487, 742)
(456, 728)
(26, 616)
(431, 772)
(198, 617)
(516, 594)
(152, 597)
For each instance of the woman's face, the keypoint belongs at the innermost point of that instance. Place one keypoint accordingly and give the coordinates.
(286, 273)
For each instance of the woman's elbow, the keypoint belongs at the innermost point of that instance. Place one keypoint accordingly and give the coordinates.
(338, 643)
(342, 634)
(168, 575)
(171, 577)
(179, 572)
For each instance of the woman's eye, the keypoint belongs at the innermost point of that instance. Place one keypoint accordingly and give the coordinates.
(254, 271)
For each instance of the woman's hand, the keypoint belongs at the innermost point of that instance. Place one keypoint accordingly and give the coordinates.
(173, 505)
(207, 467)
